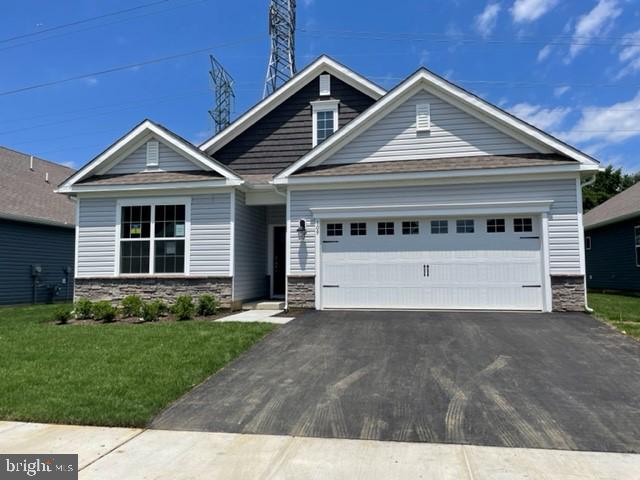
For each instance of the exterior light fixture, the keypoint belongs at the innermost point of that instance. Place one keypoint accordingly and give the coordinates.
(302, 228)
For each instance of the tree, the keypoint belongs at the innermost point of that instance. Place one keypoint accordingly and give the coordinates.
(607, 184)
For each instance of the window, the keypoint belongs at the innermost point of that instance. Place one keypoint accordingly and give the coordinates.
(334, 229)
(410, 228)
(587, 243)
(439, 226)
(325, 119)
(152, 231)
(385, 228)
(358, 229)
(495, 225)
(522, 225)
(464, 226)
(636, 230)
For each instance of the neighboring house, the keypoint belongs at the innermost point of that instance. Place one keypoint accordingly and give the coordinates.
(612, 242)
(334, 193)
(36, 230)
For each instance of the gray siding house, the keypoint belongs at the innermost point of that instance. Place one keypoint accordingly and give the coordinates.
(36, 230)
(334, 193)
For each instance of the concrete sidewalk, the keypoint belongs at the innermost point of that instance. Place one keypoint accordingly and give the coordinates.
(119, 453)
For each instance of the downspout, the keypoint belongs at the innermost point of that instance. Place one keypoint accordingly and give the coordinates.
(586, 183)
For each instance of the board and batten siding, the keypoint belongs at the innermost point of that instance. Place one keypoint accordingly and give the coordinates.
(250, 269)
(210, 238)
(454, 133)
(564, 232)
(169, 161)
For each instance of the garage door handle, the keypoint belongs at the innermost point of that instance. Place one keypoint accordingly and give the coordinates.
(330, 241)
(524, 238)
(531, 286)
(330, 286)
(425, 270)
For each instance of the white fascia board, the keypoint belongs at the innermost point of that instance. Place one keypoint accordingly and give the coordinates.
(303, 77)
(39, 221)
(484, 208)
(222, 183)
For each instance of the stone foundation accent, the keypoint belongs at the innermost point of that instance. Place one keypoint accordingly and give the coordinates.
(567, 293)
(301, 292)
(162, 288)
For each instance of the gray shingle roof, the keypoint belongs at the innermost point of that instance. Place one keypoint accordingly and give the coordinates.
(437, 164)
(624, 205)
(144, 178)
(25, 194)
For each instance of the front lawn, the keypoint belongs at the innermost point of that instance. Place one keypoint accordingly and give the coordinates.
(107, 374)
(623, 312)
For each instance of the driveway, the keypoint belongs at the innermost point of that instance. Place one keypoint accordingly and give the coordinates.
(562, 381)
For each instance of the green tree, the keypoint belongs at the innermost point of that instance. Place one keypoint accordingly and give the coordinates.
(607, 184)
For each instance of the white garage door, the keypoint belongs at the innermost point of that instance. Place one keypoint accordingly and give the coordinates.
(448, 263)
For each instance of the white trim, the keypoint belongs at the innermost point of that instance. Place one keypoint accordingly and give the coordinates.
(425, 80)
(288, 247)
(302, 78)
(635, 243)
(546, 262)
(323, 106)
(77, 238)
(318, 263)
(149, 186)
(425, 210)
(232, 239)
(141, 131)
(583, 262)
(39, 221)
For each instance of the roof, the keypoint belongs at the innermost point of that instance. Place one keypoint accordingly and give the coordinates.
(424, 79)
(150, 177)
(24, 193)
(437, 164)
(624, 205)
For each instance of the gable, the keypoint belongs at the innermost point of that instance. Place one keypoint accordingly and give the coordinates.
(453, 133)
(284, 135)
(168, 161)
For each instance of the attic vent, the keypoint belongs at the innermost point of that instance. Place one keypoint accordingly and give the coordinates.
(152, 154)
(325, 85)
(423, 117)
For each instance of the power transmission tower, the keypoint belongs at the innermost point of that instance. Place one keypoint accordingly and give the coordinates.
(282, 60)
(223, 93)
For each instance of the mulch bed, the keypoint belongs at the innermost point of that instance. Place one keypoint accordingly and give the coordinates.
(135, 320)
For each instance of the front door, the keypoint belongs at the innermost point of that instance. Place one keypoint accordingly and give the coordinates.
(279, 260)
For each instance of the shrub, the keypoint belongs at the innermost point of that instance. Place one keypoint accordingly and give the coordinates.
(62, 314)
(208, 305)
(83, 308)
(184, 308)
(132, 306)
(103, 311)
(151, 311)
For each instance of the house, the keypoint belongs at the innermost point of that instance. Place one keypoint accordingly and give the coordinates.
(334, 193)
(36, 230)
(612, 243)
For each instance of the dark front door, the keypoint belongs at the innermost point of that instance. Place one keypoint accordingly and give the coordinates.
(279, 259)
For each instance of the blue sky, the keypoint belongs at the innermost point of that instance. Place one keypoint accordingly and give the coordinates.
(572, 68)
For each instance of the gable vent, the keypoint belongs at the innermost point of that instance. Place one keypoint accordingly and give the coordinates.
(152, 154)
(423, 117)
(325, 85)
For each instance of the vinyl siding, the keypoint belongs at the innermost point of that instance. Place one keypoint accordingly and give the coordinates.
(564, 250)
(454, 133)
(249, 279)
(25, 244)
(96, 237)
(611, 262)
(169, 161)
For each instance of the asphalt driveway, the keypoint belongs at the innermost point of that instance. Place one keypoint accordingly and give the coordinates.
(561, 381)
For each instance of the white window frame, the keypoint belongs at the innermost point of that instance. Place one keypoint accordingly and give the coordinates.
(323, 106)
(636, 236)
(152, 202)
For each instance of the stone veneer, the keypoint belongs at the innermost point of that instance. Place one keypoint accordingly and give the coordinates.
(301, 292)
(567, 293)
(163, 288)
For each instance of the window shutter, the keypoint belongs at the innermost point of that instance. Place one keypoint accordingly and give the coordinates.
(423, 117)
(152, 154)
(325, 85)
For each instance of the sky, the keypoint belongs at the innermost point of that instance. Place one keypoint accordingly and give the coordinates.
(571, 68)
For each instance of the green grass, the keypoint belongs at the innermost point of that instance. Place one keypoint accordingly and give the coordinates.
(116, 374)
(621, 311)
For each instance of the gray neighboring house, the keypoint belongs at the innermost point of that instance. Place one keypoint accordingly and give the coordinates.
(333, 193)
(612, 242)
(37, 230)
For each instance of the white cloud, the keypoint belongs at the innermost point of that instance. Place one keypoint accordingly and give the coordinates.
(69, 164)
(543, 118)
(544, 52)
(530, 10)
(597, 22)
(485, 22)
(559, 91)
(613, 124)
(308, 3)
(90, 81)
(629, 54)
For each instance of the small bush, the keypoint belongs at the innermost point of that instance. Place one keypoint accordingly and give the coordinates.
(132, 306)
(103, 311)
(184, 308)
(208, 305)
(151, 311)
(83, 308)
(62, 314)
